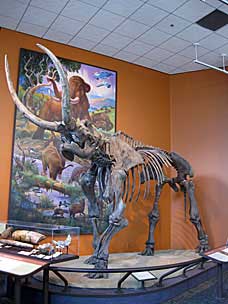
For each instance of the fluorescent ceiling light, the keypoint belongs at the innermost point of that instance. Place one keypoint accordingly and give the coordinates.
(224, 1)
(223, 69)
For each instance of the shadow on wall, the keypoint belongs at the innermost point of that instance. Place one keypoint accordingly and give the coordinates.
(138, 227)
(212, 198)
(212, 195)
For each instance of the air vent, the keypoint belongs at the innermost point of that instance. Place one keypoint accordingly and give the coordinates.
(214, 21)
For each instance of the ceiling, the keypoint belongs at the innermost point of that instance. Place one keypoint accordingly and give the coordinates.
(157, 34)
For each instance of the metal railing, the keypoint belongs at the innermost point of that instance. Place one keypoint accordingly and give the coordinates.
(128, 271)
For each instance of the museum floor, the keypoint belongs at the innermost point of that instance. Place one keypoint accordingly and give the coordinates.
(204, 293)
(200, 293)
(197, 287)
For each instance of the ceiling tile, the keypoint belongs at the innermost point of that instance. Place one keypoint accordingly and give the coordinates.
(122, 7)
(194, 33)
(158, 54)
(194, 67)
(190, 51)
(126, 56)
(116, 40)
(222, 50)
(175, 44)
(148, 15)
(164, 68)
(32, 29)
(8, 22)
(172, 24)
(51, 5)
(97, 3)
(177, 60)
(146, 62)
(105, 16)
(79, 10)
(23, 1)
(38, 16)
(67, 25)
(224, 8)
(189, 67)
(93, 33)
(211, 58)
(223, 31)
(131, 28)
(57, 36)
(177, 71)
(82, 43)
(213, 41)
(105, 49)
(154, 37)
(106, 20)
(194, 10)
(168, 6)
(12, 8)
(138, 48)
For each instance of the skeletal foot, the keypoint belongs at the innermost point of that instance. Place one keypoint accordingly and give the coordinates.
(97, 275)
(100, 265)
(203, 245)
(148, 251)
(202, 248)
(91, 260)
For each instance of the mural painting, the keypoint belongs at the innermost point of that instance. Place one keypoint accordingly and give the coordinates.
(45, 187)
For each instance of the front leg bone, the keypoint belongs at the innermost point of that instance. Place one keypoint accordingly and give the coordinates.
(101, 254)
(116, 223)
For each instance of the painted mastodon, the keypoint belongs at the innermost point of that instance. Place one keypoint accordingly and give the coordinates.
(52, 159)
(51, 110)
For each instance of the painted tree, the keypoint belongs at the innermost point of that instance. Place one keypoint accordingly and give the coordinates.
(34, 65)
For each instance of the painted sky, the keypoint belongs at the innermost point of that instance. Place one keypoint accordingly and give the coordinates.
(101, 89)
(87, 73)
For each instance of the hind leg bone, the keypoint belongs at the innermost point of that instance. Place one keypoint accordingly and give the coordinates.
(154, 217)
(194, 215)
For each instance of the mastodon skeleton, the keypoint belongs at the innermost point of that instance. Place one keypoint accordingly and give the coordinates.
(120, 165)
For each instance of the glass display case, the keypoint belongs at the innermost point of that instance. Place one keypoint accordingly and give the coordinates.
(37, 240)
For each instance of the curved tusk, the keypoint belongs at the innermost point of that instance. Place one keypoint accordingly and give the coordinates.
(52, 126)
(56, 99)
(66, 115)
(75, 100)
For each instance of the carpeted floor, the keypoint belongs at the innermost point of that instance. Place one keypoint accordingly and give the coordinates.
(205, 293)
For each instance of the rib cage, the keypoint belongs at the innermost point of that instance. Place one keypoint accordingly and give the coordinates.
(152, 168)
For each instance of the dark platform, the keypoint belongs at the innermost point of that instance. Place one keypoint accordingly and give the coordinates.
(171, 288)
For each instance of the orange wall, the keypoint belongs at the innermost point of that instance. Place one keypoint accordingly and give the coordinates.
(199, 124)
(142, 111)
